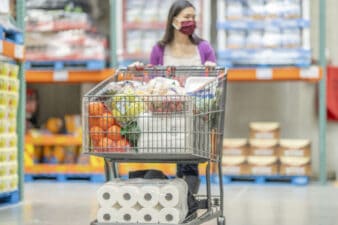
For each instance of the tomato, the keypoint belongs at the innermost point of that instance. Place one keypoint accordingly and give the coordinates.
(96, 133)
(114, 133)
(106, 120)
(96, 108)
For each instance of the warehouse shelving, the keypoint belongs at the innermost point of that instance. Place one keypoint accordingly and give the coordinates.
(12, 50)
(65, 76)
(302, 70)
(53, 140)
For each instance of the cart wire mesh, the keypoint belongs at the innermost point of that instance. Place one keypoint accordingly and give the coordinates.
(157, 114)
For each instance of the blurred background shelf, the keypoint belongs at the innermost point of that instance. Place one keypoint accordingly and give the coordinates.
(67, 140)
(12, 50)
(81, 76)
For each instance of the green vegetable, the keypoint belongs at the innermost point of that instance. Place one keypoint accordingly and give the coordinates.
(131, 132)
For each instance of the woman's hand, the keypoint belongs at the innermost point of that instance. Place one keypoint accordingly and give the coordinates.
(210, 64)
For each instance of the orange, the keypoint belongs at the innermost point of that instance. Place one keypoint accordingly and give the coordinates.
(106, 120)
(96, 108)
(106, 145)
(96, 133)
(114, 133)
(122, 145)
(93, 121)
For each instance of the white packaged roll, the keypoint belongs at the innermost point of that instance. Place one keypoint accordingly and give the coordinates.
(107, 195)
(128, 195)
(107, 215)
(148, 215)
(174, 194)
(127, 215)
(171, 216)
(149, 196)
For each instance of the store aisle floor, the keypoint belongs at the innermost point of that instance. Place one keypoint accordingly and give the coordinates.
(74, 204)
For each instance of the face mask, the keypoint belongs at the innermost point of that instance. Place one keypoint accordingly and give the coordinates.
(187, 27)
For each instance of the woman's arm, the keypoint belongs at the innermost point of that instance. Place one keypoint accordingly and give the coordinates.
(210, 54)
(155, 56)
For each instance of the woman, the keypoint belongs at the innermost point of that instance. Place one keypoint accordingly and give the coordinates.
(180, 46)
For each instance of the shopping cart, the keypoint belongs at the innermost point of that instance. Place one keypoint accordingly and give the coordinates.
(160, 124)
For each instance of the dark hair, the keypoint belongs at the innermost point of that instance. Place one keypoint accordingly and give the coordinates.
(175, 9)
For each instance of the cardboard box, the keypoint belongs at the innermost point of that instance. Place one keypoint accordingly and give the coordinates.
(263, 147)
(264, 130)
(287, 170)
(233, 160)
(263, 170)
(295, 161)
(262, 160)
(235, 147)
(242, 169)
(294, 148)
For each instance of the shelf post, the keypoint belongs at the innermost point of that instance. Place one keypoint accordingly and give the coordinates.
(322, 92)
(20, 16)
(112, 34)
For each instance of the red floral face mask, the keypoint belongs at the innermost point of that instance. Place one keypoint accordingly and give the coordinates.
(187, 27)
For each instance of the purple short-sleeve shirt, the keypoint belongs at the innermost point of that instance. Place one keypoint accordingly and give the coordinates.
(205, 50)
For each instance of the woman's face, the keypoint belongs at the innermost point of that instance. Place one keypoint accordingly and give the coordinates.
(187, 14)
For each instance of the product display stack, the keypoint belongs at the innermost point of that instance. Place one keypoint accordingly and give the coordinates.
(9, 98)
(61, 35)
(11, 53)
(266, 33)
(265, 156)
(263, 153)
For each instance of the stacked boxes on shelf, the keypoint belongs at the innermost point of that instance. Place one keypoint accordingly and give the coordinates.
(260, 32)
(235, 152)
(265, 154)
(295, 157)
(9, 98)
(60, 35)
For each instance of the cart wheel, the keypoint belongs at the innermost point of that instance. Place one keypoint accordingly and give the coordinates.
(221, 221)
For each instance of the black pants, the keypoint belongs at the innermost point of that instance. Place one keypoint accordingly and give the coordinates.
(187, 169)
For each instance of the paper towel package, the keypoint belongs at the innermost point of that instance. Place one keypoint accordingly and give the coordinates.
(165, 133)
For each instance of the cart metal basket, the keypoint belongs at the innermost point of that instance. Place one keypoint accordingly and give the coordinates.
(146, 116)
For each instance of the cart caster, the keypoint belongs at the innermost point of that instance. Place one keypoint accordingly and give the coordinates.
(221, 220)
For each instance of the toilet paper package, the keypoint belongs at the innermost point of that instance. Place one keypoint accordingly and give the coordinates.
(149, 215)
(149, 196)
(107, 194)
(128, 195)
(171, 216)
(127, 215)
(143, 201)
(107, 215)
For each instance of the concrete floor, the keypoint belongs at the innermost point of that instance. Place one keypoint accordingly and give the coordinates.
(75, 204)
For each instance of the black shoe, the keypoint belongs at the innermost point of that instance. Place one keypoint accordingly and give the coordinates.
(193, 183)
